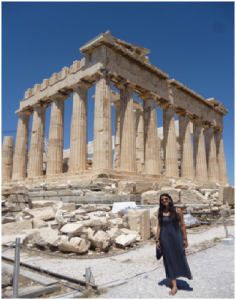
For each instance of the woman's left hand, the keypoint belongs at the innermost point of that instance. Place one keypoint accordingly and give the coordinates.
(185, 243)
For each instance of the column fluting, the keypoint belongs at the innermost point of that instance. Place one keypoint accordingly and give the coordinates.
(102, 145)
(20, 157)
(140, 141)
(37, 140)
(117, 136)
(169, 143)
(7, 158)
(127, 129)
(200, 152)
(186, 150)
(78, 137)
(212, 163)
(221, 156)
(55, 141)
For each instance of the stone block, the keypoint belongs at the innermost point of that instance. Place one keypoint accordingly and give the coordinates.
(17, 189)
(38, 223)
(126, 186)
(16, 227)
(139, 220)
(125, 240)
(95, 221)
(9, 239)
(72, 228)
(142, 187)
(7, 277)
(114, 233)
(18, 198)
(44, 237)
(44, 213)
(226, 194)
(151, 197)
(192, 197)
(8, 220)
(118, 222)
(75, 244)
(101, 240)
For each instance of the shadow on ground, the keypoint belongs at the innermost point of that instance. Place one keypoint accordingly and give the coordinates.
(182, 285)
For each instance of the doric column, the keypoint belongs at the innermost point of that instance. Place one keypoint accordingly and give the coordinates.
(221, 156)
(212, 163)
(169, 143)
(37, 138)
(127, 128)
(117, 136)
(140, 141)
(55, 141)
(199, 151)
(21, 148)
(186, 150)
(78, 135)
(151, 142)
(7, 158)
(102, 146)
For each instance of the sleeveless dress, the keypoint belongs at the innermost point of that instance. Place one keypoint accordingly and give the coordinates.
(173, 251)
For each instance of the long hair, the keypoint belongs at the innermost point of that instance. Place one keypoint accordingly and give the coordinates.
(172, 210)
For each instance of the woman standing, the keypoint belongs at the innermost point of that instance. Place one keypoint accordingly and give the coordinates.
(172, 240)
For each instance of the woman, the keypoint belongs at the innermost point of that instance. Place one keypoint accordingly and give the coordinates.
(172, 240)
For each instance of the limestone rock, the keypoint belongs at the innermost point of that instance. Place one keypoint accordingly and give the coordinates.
(44, 237)
(80, 211)
(215, 195)
(75, 244)
(95, 221)
(72, 228)
(101, 240)
(8, 220)
(18, 189)
(89, 232)
(97, 214)
(153, 220)
(6, 191)
(8, 239)
(125, 240)
(89, 207)
(59, 217)
(126, 186)
(142, 187)
(179, 184)
(16, 227)
(114, 233)
(44, 213)
(118, 222)
(151, 197)
(38, 223)
(128, 231)
(7, 277)
(192, 197)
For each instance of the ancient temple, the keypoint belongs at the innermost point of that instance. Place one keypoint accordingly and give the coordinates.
(137, 146)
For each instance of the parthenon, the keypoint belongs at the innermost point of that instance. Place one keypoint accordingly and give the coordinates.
(137, 146)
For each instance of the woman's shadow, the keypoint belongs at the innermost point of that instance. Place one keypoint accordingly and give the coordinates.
(182, 285)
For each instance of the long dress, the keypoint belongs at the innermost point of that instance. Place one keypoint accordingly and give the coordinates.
(173, 251)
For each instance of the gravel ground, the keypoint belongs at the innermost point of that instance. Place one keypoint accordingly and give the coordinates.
(212, 269)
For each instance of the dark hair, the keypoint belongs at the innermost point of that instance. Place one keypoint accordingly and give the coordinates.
(172, 210)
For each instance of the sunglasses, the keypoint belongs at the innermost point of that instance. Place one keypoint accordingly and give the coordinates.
(163, 199)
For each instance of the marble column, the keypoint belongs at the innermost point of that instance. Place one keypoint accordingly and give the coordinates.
(151, 141)
(212, 163)
(127, 128)
(102, 145)
(221, 156)
(169, 143)
(117, 136)
(55, 141)
(140, 141)
(200, 152)
(7, 158)
(37, 138)
(186, 150)
(78, 137)
(21, 148)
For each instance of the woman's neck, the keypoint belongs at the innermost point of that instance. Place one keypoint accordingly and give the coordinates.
(166, 209)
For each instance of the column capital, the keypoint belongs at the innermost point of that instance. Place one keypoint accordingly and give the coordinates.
(207, 125)
(123, 84)
(166, 105)
(40, 105)
(82, 84)
(148, 95)
(24, 112)
(103, 73)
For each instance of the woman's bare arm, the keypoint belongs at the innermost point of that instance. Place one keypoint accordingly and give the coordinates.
(158, 233)
(182, 225)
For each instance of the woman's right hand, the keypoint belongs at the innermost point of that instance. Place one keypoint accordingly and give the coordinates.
(158, 245)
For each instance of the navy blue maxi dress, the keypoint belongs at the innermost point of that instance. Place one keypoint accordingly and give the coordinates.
(172, 248)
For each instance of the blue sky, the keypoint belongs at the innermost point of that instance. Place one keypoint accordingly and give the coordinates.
(192, 42)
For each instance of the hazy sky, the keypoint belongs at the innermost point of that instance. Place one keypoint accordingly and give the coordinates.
(192, 42)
